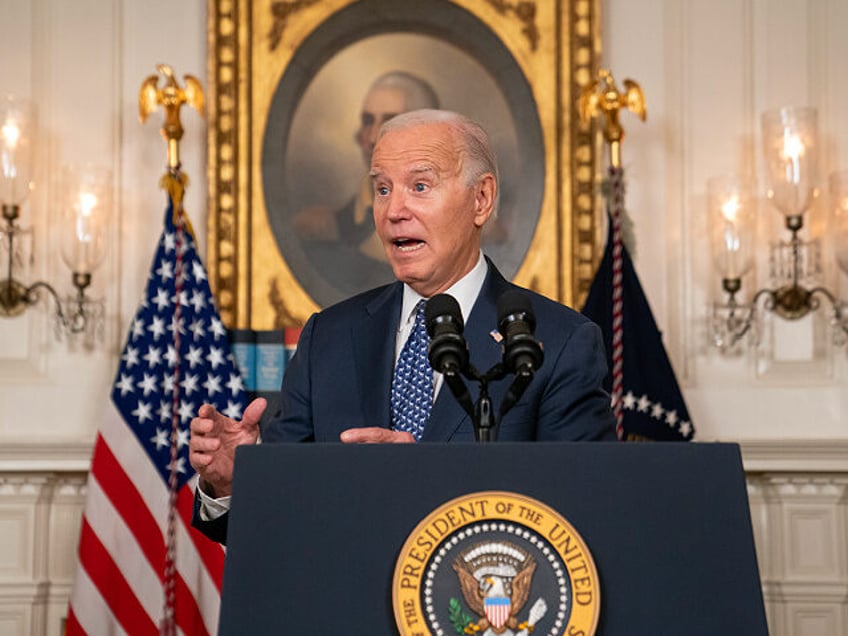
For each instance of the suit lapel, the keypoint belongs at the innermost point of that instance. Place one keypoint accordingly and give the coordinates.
(373, 336)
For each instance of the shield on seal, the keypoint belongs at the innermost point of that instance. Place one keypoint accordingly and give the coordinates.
(497, 609)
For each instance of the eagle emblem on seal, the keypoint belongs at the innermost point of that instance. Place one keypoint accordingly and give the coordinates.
(495, 578)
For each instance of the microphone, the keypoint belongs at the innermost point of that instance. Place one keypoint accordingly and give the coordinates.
(516, 322)
(522, 353)
(448, 351)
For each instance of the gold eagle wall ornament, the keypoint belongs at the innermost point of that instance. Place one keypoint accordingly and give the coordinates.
(171, 97)
(602, 96)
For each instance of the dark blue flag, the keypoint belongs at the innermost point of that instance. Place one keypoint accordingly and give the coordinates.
(652, 404)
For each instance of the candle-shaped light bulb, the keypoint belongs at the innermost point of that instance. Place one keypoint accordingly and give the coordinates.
(731, 225)
(85, 213)
(793, 149)
(730, 208)
(16, 132)
(789, 149)
(11, 133)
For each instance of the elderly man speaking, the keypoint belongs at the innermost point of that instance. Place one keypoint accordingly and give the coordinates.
(360, 373)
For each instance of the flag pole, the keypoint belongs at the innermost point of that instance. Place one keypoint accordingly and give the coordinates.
(172, 97)
(602, 97)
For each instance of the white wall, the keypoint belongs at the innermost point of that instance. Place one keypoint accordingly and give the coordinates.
(709, 69)
(82, 64)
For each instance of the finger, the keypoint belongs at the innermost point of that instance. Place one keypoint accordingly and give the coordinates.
(199, 461)
(401, 437)
(253, 413)
(200, 426)
(204, 444)
(375, 435)
(206, 411)
(357, 436)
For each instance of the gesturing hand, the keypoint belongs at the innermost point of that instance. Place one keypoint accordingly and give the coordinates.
(213, 442)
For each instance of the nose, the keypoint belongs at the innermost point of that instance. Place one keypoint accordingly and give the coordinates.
(395, 207)
(371, 132)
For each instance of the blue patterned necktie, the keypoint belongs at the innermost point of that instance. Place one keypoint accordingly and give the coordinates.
(412, 385)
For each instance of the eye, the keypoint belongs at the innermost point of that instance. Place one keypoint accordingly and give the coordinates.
(381, 190)
(420, 187)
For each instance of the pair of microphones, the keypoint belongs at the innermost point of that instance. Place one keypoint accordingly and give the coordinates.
(448, 354)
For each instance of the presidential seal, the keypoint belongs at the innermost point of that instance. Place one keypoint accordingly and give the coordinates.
(495, 564)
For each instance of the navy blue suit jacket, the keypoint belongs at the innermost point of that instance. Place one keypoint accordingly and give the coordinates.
(341, 376)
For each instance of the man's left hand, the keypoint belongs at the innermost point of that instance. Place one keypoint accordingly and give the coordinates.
(375, 435)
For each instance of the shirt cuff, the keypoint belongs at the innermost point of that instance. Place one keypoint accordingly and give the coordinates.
(210, 508)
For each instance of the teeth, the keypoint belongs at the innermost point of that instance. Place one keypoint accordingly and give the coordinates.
(408, 245)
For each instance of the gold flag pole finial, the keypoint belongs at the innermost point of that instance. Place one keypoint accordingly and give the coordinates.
(603, 96)
(171, 97)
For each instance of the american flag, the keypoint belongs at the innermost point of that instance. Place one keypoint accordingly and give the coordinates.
(142, 568)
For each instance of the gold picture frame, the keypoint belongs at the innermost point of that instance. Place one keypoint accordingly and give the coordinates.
(265, 56)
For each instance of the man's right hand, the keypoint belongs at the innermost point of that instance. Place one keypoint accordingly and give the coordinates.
(213, 442)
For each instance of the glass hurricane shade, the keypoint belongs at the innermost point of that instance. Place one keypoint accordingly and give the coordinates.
(790, 140)
(17, 129)
(730, 205)
(839, 206)
(86, 193)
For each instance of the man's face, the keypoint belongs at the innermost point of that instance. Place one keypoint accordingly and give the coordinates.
(379, 106)
(427, 216)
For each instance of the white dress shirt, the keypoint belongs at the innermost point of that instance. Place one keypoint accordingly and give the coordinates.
(465, 290)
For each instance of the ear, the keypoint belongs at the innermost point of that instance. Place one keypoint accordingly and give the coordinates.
(485, 193)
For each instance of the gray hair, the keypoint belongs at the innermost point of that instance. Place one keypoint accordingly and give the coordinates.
(475, 141)
(419, 94)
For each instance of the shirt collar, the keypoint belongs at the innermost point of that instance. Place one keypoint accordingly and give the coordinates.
(465, 290)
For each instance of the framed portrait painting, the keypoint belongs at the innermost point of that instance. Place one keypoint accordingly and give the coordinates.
(298, 89)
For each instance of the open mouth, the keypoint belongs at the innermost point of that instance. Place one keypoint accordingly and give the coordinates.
(408, 244)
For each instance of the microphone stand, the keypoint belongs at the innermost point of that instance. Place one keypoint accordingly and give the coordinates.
(486, 423)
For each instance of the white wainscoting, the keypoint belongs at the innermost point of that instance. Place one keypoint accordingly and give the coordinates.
(798, 492)
(40, 514)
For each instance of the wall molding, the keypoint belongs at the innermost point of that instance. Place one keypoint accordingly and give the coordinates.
(801, 455)
(73, 457)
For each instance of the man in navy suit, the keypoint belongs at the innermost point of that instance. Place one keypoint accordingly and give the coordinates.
(435, 187)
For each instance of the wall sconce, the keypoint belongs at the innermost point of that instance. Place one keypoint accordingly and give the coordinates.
(86, 194)
(789, 145)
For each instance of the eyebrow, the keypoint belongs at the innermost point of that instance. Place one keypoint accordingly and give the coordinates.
(415, 170)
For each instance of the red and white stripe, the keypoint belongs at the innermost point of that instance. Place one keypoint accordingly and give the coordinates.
(616, 210)
(120, 580)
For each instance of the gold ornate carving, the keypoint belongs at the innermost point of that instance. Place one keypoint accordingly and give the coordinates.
(224, 168)
(252, 43)
(526, 13)
(584, 146)
(281, 12)
(282, 316)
